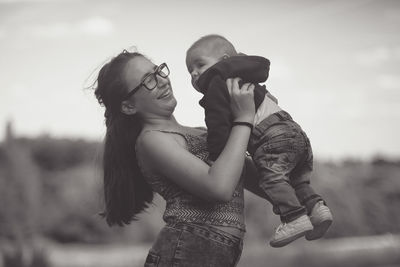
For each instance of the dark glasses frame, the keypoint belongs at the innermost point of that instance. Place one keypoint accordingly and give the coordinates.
(162, 70)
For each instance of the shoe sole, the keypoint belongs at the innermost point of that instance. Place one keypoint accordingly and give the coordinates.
(320, 227)
(284, 242)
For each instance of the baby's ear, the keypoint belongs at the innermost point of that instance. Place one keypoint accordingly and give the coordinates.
(225, 56)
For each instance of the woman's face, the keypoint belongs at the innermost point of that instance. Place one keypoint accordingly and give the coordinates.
(159, 102)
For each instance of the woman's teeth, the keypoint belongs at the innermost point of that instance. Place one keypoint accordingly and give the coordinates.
(165, 94)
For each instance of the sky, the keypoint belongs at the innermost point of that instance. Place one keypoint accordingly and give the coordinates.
(334, 64)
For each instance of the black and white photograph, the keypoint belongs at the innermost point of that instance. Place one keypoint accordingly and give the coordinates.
(199, 133)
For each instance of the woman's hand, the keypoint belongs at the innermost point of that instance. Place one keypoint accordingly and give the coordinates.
(242, 100)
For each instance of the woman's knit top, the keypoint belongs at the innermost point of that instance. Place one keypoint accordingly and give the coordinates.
(182, 206)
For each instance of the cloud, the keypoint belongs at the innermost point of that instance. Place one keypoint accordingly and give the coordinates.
(2, 33)
(397, 52)
(377, 55)
(55, 30)
(392, 14)
(95, 26)
(373, 57)
(280, 70)
(33, 1)
(388, 81)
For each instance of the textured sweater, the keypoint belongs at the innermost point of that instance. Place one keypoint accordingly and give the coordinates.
(216, 99)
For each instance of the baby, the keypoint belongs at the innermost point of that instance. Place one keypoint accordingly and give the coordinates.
(280, 149)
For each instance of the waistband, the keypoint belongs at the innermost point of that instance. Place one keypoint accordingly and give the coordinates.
(230, 214)
(207, 231)
(276, 117)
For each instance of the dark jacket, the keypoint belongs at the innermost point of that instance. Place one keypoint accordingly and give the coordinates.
(216, 100)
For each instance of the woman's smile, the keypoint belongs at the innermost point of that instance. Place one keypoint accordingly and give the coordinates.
(165, 93)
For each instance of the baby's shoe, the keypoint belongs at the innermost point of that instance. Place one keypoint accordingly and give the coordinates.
(321, 218)
(288, 232)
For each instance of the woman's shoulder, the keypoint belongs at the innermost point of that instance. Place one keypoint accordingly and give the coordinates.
(152, 146)
(172, 134)
(147, 134)
(153, 142)
(151, 139)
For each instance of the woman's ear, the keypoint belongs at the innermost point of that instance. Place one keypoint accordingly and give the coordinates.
(128, 108)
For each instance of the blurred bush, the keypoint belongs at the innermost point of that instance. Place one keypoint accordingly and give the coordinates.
(60, 154)
(52, 188)
(364, 198)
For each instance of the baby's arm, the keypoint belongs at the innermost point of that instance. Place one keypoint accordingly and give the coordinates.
(218, 116)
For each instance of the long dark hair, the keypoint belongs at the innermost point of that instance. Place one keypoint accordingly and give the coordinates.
(125, 189)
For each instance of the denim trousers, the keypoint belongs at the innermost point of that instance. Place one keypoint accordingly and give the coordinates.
(283, 157)
(194, 245)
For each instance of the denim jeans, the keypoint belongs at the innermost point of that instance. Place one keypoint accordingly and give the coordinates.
(283, 156)
(194, 245)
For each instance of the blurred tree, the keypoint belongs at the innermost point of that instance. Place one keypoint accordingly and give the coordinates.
(53, 154)
(53, 187)
(20, 198)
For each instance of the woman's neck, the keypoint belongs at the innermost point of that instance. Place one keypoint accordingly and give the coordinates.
(161, 123)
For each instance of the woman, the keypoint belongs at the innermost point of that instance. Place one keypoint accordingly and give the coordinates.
(147, 150)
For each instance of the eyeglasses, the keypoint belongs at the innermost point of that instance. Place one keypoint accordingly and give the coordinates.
(150, 81)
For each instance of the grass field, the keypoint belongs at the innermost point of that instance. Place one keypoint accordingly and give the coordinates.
(372, 251)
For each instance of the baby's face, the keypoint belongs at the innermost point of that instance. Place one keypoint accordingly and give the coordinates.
(198, 60)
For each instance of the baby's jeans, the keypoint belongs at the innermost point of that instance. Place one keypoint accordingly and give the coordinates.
(283, 156)
(194, 245)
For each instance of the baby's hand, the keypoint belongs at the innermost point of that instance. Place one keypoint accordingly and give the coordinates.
(242, 100)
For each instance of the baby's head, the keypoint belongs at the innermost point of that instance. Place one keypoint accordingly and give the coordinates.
(205, 52)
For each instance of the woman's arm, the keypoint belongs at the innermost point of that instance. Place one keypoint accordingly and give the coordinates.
(166, 157)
